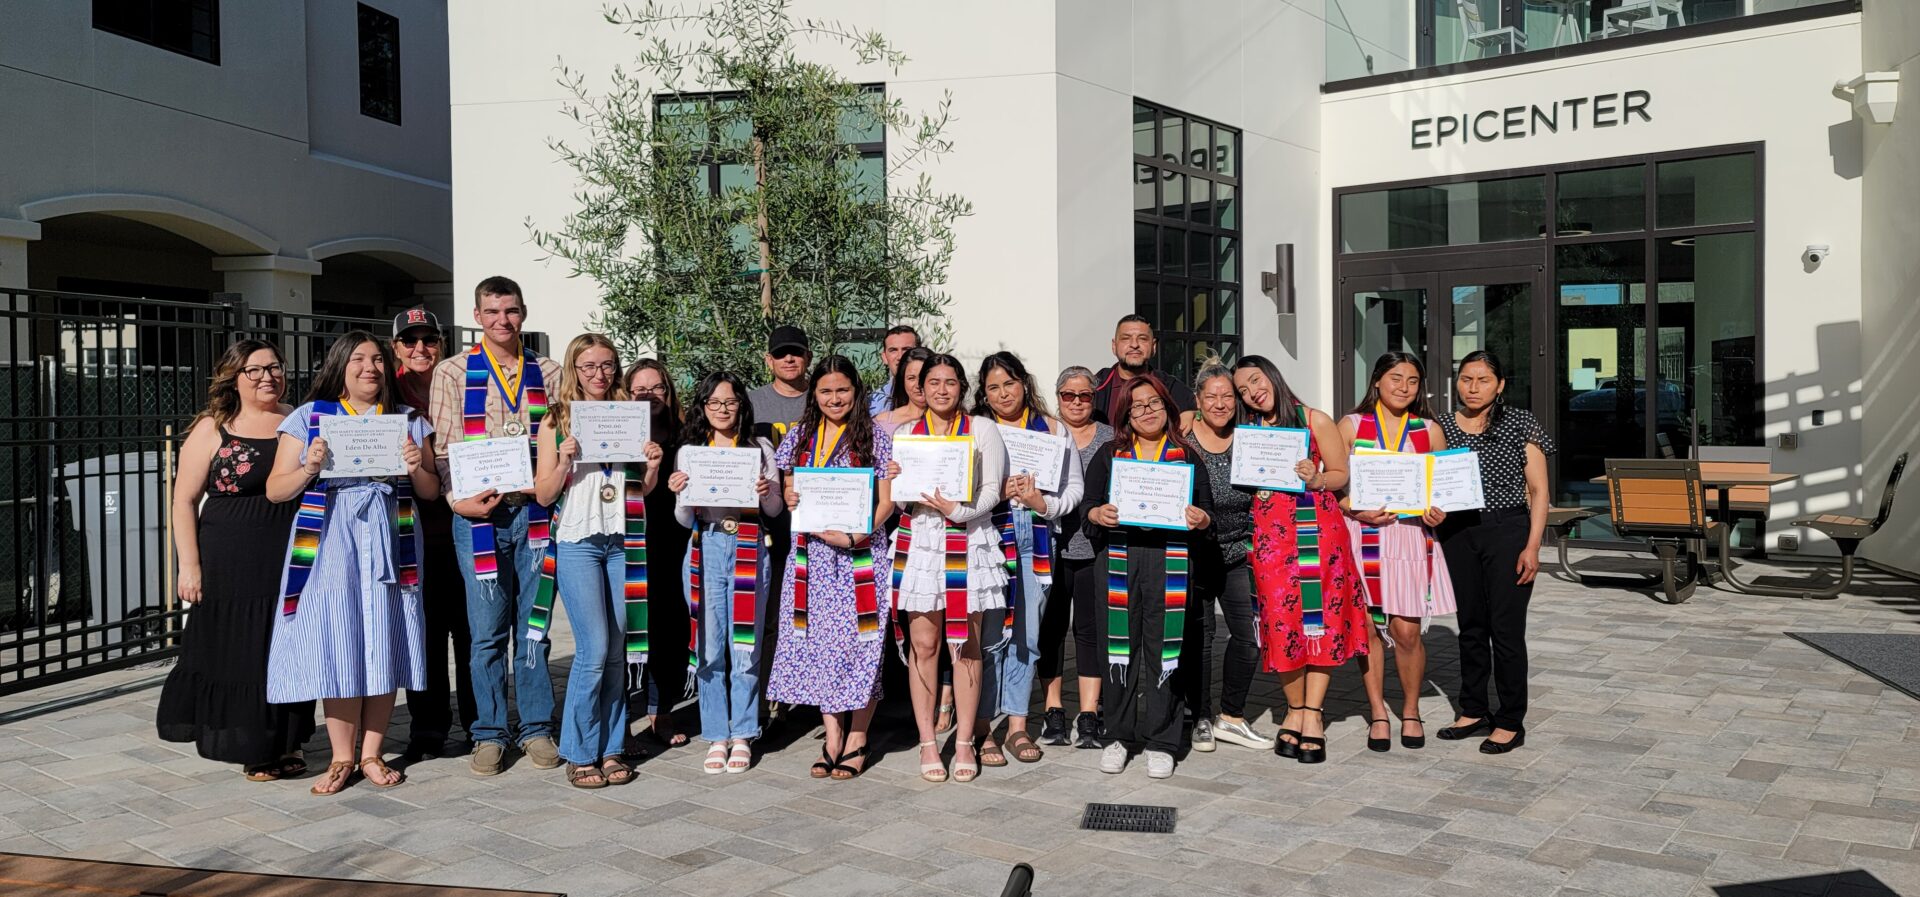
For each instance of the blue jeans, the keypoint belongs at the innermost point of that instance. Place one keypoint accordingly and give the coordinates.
(592, 577)
(1006, 674)
(497, 613)
(729, 680)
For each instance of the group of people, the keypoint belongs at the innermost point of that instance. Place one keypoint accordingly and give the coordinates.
(341, 590)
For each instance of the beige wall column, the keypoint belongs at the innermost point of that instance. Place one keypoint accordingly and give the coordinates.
(270, 282)
(14, 237)
(437, 296)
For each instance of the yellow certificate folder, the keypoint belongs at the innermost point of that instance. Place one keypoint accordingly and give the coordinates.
(1401, 482)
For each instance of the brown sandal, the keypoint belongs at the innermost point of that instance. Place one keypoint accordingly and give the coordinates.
(992, 755)
(381, 765)
(616, 771)
(343, 770)
(588, 776)
(1023, 747)
(265, 772)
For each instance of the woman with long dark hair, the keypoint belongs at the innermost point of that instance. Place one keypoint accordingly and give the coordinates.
(665, 684)
(1493, 554)
(228, 536)
(1306, 580)
(908, 403)
(1147, 585)
(351, 630)
(1403, 568)
(1027, 518)
(831, 606)
(599, 516)
(724, 604)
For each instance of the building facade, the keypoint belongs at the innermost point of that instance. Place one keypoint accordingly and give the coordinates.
(293, 153)
(1670, 216)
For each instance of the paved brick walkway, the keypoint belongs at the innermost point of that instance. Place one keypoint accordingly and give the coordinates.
(1671, 750)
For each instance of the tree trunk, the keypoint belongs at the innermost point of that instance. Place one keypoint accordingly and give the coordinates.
(760, 227)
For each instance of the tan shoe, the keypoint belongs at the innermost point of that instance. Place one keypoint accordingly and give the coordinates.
(542, 752)
(488, 759)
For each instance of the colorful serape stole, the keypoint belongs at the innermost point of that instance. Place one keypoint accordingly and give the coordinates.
(634, 591)
(866, 597)
(1368, 435)
(1173, 623)
(745, 580)
(528, 390)
(307, 523)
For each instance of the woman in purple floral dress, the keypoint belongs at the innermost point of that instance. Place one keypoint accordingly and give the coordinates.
(832, 659)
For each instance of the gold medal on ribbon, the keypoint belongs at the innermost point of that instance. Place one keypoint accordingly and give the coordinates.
(514, 427)
(607, 493)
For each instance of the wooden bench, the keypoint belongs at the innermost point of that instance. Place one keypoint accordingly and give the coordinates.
(1663, 502)
(1846, 532)
(1739, 502)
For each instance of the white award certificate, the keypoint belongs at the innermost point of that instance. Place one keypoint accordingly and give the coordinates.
(1265, 457)
(933, 462)
(1456, 481)
(503, 465)
(1392, 481)
(721, 477)
(1037, 453)
(364, 445)
(833, 500)
(611, 432)
(1151, 493)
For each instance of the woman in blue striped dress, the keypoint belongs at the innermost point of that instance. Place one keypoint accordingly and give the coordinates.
(350, 630)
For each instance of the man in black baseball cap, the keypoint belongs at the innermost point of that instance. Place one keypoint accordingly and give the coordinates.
(780, 402)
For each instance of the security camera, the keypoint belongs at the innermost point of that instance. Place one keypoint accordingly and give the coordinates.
(1815, 254)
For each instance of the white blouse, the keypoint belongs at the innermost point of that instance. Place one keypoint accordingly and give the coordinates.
(583, 513)
(770, 504)
(924, 584)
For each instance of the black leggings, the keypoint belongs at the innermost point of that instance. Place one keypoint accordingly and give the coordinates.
(1482, 549)
(1235, 600)
(1079, 593)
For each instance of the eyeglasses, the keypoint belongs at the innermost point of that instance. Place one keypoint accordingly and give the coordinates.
(606, 368)
(723, 404)
(1074, 396)
(431, 339)
(1149, 406)
(258, 372)
(649, 390)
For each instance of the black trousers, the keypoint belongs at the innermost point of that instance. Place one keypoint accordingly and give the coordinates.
(1079, 598)
(1482, 549)
(444, 606)
(1138, 707)
(1234, 588)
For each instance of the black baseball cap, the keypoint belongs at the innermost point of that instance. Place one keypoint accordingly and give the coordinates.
(417, 316)
(786, 336)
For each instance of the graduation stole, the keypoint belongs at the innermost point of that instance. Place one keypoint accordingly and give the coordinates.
(1291, 565)
(526, 388)
(1368, 434)
(866, 599)
(305, 548)
(634, 596)
(1173, 623)
(746, 579)
(1003, 520)
(956, 551)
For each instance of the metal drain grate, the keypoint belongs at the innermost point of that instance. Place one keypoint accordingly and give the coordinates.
(1129, 818)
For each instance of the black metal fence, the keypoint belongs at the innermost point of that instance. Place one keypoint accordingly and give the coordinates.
(95, 395)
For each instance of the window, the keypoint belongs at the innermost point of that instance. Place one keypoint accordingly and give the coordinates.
(379, 65)
(188, 27)
(1186, 236)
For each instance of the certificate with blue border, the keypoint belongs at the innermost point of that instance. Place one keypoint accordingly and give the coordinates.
(1152, 494)
(833, 500)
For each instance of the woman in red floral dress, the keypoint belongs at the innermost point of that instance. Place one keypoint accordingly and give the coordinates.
(1306, 582)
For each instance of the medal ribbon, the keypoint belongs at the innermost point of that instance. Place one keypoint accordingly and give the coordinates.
(1173, 622)
(303, 549)
(530, 384)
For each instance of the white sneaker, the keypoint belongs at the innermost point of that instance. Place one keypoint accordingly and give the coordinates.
(1159, 765)
(1113, 758)
(1241, 733)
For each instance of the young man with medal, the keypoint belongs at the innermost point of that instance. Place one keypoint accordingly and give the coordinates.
(496, 390)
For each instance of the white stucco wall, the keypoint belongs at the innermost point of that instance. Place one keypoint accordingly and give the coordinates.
(1771, 85)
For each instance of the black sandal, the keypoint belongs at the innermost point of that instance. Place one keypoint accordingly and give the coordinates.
(859, 753)
(1378, 745)
(822, 767)
(1283, 747)
(1317, 752)
(1412, 742)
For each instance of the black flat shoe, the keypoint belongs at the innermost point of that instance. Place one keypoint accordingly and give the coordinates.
(1412, 742)
(1313, 750)
(1483, 726)
(1494, 747)
(1378, 745)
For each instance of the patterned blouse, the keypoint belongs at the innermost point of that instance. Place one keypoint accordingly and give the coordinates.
(1503, 453)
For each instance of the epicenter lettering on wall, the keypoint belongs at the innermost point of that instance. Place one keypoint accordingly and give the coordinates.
(1604, 110)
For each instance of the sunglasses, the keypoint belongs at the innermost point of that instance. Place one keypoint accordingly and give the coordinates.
(1066, 396)
(431, 339)
(784, 354)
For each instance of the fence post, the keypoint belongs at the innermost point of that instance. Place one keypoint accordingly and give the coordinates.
(236, 305)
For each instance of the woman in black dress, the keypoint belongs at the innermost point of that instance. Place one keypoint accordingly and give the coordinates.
(231, 550)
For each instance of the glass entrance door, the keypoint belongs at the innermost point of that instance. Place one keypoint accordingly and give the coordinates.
(1440, 317)
(1390, 315)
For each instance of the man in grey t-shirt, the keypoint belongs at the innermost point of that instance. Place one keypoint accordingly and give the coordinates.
(777, 405)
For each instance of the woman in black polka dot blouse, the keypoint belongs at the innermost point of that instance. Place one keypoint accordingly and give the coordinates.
(1493, 553)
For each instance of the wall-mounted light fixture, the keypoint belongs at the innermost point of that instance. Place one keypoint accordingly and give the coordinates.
(1874, 96)
(1278, 283)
